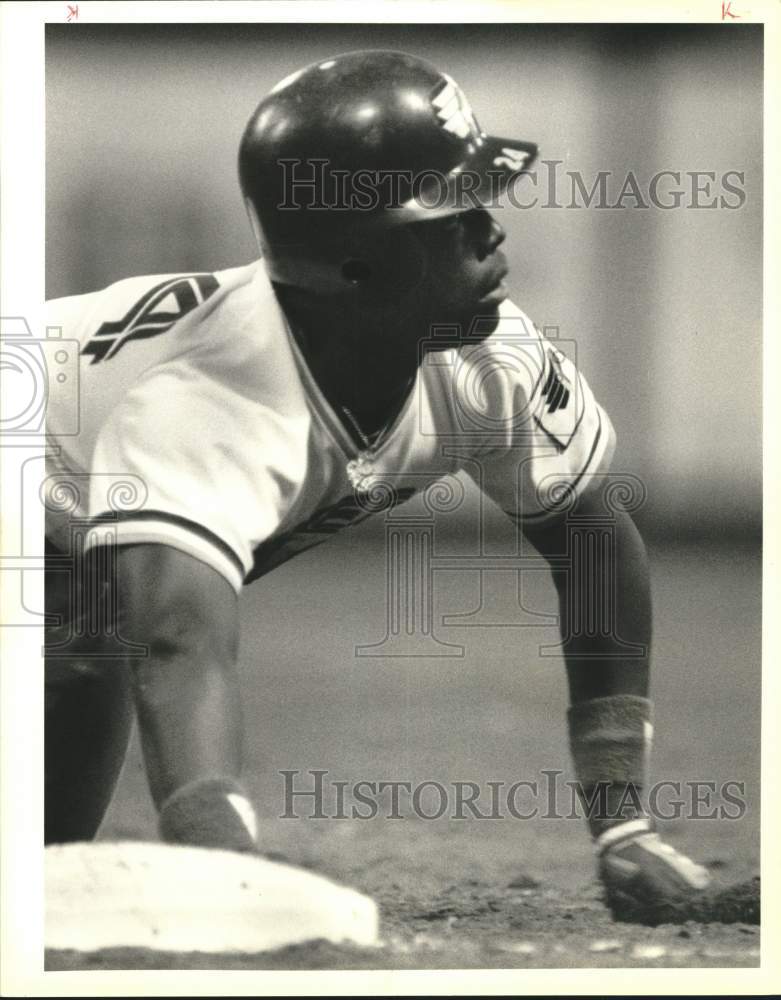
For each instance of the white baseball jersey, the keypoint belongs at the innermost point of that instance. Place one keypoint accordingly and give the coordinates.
(194, 394)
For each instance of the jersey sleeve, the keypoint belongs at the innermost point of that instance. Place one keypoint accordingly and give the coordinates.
(185, 435)
(211, 462)
(545, 437)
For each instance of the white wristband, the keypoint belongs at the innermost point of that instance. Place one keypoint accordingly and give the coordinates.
(624, 831)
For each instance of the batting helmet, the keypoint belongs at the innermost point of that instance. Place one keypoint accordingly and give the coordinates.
(341, 154)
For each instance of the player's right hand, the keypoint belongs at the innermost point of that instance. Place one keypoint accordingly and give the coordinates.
(646, 880)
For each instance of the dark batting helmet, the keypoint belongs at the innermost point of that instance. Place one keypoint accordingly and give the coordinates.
(341, 154)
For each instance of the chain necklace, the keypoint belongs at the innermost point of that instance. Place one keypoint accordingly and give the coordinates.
(360, 470)
(367, 439)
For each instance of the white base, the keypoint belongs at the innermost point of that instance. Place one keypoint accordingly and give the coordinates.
(133, 894)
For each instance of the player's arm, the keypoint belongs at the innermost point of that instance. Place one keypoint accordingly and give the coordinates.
(554, 482)
(551, 475)
(603, 584)
(595, 666)
(185, 690)
(609, 718)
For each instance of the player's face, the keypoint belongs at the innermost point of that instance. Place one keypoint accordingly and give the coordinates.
(464, 281)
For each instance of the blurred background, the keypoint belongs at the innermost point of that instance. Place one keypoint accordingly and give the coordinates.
(665, 306)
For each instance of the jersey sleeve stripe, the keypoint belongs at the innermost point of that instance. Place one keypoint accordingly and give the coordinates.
(543, 366)
(133, 527)
(599, 458)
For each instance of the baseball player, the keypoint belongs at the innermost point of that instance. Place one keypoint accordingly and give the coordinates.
(248, 414)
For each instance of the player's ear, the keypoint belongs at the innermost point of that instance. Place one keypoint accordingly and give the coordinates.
(389, 264)
(356, 271)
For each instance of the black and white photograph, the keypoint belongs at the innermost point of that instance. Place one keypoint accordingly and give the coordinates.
(382, 449)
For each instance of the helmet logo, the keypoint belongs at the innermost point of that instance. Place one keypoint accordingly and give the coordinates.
(453, 110)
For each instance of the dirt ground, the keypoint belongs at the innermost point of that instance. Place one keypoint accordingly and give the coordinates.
(476, 893)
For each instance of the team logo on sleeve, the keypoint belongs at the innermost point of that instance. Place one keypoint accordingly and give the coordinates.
(153, 314)
(557, 388)
(560, 401)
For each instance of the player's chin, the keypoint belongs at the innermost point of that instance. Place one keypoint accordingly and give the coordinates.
(469, 325)
(483, 320)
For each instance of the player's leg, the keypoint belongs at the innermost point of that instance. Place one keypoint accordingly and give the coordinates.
(88, 717)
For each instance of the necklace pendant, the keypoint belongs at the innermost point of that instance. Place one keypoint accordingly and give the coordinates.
(360, 472)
